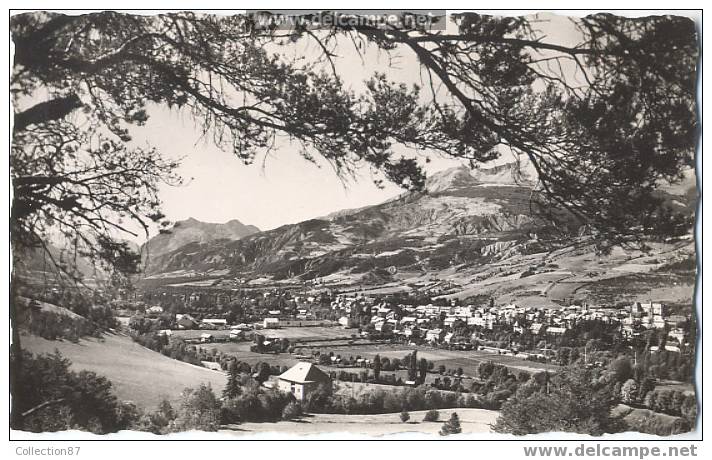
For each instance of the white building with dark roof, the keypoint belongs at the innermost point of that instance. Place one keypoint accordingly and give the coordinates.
(301, 379)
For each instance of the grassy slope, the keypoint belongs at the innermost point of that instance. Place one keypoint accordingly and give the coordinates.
(620, 276)
(471, 420)
(137, 373)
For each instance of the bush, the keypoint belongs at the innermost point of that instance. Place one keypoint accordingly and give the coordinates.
(156, 422)
(291, 411)
(654, 424)
(230, 411)
(199, 410)
(51, 397)
(689, 410)
(670, 402)
(404, 416)
(431, 416)
(257, 404)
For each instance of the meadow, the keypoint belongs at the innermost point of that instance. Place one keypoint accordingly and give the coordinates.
(137, 373)
(471, 421)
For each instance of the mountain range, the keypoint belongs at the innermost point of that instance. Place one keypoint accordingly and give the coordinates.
(470, 232)
(488, 205)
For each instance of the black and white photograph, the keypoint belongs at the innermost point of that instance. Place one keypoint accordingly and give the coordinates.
(354, 224)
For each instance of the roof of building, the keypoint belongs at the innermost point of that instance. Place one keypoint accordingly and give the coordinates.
(304, 373)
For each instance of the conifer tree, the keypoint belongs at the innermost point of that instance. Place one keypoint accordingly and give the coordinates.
(232, 389)
(452, 426)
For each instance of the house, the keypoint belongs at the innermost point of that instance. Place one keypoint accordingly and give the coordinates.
(637, 309)
(434, 335)
(205, 337)
(677, 320)
(654, 309)
(657, 322)
(213, 366)
(271, 323)
(409, 320)
(571, 319)
(216, 322)
(628, 331)
(236, 334)
(187, 322)
(553, 330)
(411, 332)
(677, 335)
(301, 379)
(478, 320)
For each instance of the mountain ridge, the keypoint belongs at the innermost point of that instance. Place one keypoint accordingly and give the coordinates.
(192, 230)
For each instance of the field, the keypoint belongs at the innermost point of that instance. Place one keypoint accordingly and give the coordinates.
(452, 359)
(471, 420)
(670, 288)
(468, 360)
(190, 334)
(302, 333)
(137, 373)
(294, 334)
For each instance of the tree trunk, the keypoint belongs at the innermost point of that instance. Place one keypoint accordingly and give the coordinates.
(15, 363)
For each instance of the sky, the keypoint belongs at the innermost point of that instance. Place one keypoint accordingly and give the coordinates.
(282, 188)
(278, 189)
